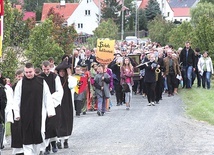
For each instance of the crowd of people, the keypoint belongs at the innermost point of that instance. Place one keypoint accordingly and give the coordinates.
(42, 102)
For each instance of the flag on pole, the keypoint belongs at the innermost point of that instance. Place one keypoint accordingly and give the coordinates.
(1, 24)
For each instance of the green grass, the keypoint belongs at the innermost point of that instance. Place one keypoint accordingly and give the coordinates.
(8, 129)
(199, 103)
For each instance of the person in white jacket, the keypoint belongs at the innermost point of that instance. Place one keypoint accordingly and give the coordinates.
(205, 67)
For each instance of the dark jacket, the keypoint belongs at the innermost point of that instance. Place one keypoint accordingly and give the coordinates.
(3, 103)
(190, 61)
(88, 61)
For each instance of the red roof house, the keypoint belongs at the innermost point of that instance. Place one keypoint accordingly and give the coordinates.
(64, 10)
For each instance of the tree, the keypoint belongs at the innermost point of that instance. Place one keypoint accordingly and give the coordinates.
(208, 1)
(180, 34)
(142, 19)
(9, 63)
(106, 29)
(204, 34)
(152, 10)
(159, 30)
(42, 44)
(202, 9)
(62, 34)
(110, 10)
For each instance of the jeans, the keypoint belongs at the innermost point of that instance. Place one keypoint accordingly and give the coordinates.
(187, 76)
(206, 79)
(101, 105)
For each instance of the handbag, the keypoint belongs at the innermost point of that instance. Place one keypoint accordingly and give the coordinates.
(125, 88)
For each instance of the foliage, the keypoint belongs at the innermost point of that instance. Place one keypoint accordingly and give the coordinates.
(9, 63)
(110, 10)
(16, 31)
(202, 9)
(142, 19)
(42, 44)
(106, 29)
(152, 10)
(204, 34)
(208, 1)
(63, 35)
(159, 30)
(180, 34)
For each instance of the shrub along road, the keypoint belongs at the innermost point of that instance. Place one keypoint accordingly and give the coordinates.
(163, 129)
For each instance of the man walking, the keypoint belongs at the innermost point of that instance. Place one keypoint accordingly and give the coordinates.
(187, 58)
(52, 124)
(33, 103)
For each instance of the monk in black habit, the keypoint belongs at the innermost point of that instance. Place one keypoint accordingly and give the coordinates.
(33, 103)
(68, 83)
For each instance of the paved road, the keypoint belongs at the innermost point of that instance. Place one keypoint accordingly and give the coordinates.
(163, 129)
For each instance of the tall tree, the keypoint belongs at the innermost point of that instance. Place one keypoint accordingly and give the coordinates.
(202, 9)
(110, 10)
(180, 34)
(106, 29)
(42, 44)
(63, 35)
(204, 34)
(152, 10)
(208, 1)
(159, 30)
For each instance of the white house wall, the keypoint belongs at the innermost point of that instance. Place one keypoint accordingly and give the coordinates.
(85, 23)
(166, 9)
(182, 19)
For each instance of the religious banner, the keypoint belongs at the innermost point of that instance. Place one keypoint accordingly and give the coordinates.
(105, 51)
(1, 24)
(81, 84)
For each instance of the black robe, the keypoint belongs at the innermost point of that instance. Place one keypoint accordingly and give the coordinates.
(31, 110)
(66, 118)
(51, 123)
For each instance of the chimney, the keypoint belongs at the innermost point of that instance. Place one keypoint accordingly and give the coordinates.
(62, 3)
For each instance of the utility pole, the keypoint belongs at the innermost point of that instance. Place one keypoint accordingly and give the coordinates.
(122, 21)
(136, 19)
(99, 13)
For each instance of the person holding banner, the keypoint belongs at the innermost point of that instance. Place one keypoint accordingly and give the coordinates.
(126, 74)
(101, 84)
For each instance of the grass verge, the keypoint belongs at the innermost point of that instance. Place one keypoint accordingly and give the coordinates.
(199, 103)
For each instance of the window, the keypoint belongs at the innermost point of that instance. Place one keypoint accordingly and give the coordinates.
(80, 25)
(168, 13)
(87, 12)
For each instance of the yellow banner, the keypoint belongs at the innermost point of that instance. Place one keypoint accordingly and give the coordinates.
(105, 51)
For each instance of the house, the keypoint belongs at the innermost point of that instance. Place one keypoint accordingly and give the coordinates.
(165, 8)
(86, 17)
(64, 9)
(182, 8)
(26, 14)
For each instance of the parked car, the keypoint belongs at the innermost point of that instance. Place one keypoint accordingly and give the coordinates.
(130, 39)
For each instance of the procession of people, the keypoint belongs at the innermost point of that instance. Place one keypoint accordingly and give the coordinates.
(42, 106)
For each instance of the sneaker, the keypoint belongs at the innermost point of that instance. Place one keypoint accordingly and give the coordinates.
(102, 113)
(149, 104)
(54, 149)
(66, 144)
(127, 108)
(46, 152)
(59, 145)
(153, 103)
(98, 113)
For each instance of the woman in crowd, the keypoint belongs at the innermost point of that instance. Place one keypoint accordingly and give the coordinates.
(205, 67)
(126, 74)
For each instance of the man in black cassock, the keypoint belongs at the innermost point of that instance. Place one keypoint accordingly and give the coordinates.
(52, 123)
(33, 102)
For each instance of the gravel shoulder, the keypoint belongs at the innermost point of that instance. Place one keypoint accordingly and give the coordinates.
(163, 129)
